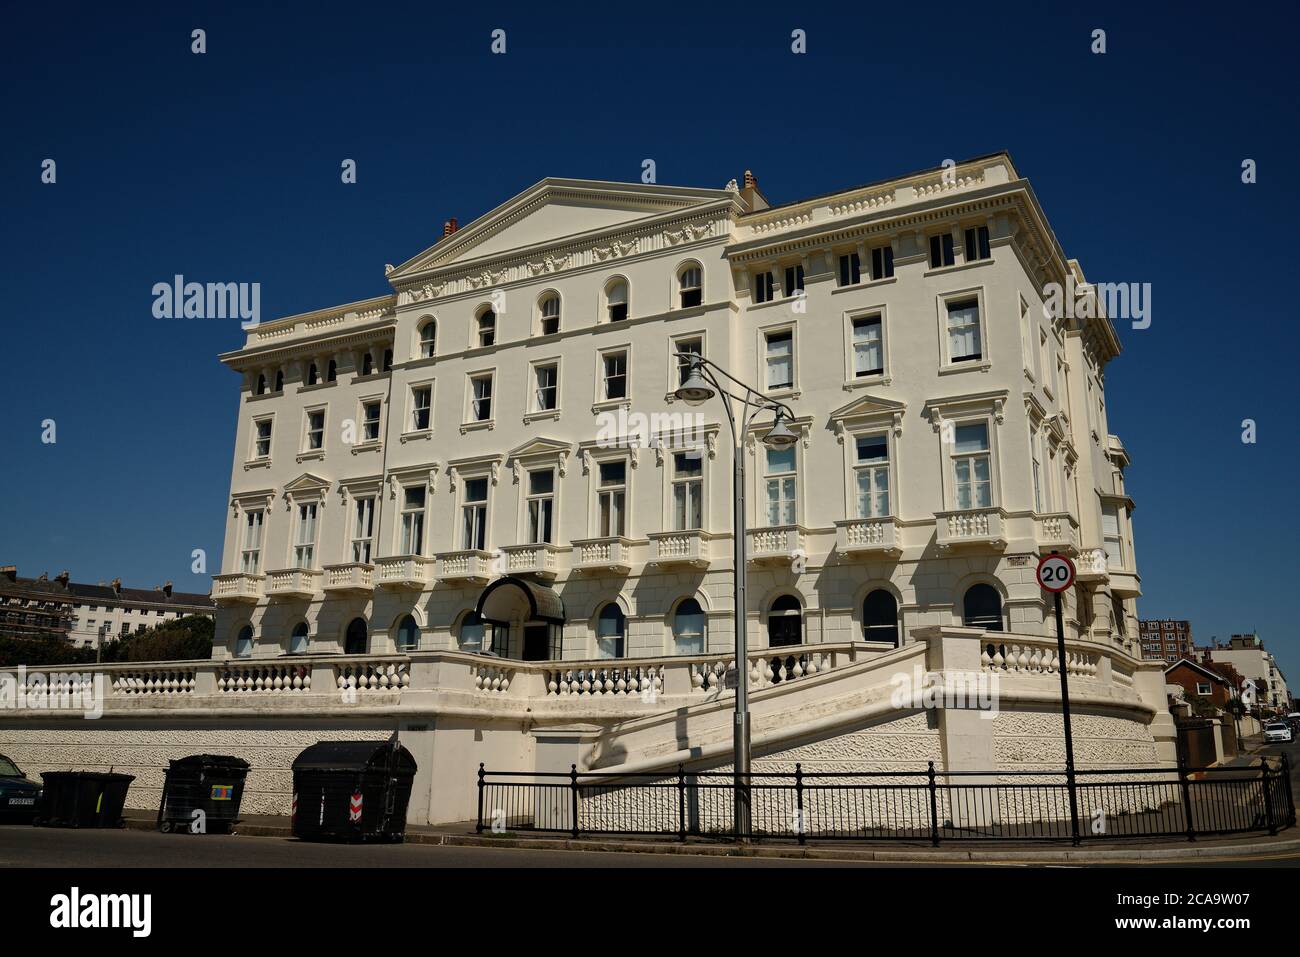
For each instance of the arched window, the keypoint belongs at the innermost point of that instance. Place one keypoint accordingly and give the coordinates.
(388, 360)
(688, 628)
(261, 384)
(616, 300)
(428, 338)
(367, 364)
(982, 608)
(279, 380)
(313, 374)
(471, 634)
(785, 622)
(690, 284)
(357, 641)
(408, 634)
(880, 617)
(487, 327)
(549, 307)
(244, 643)
(298, 640)
(332, 372)
(611, 627)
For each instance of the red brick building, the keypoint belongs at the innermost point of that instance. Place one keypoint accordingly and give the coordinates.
(1165, 639)
(1199, 682)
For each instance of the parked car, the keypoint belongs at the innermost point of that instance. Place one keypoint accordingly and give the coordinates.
(19, 796)
(1277, 731)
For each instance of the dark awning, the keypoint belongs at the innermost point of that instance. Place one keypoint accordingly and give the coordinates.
(510, 599)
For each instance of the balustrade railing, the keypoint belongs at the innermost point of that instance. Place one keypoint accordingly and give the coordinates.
(613, 679)
(240, 678)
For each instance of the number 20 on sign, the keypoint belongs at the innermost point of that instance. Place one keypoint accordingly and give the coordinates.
(1055, 573)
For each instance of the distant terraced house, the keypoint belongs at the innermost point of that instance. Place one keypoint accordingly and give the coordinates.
(425, 513)
(83, 613)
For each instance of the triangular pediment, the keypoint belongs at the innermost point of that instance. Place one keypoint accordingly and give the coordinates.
(539, 446)
(867, 405)
(307, 482)
(555, 210)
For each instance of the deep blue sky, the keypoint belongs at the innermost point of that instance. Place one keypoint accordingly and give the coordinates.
(225, 167)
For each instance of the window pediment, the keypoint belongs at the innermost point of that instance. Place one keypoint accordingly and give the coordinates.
(868, 411)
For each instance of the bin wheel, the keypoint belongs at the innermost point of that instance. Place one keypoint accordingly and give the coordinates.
(165, 827)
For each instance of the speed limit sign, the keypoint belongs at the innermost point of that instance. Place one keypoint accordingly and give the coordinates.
(1055, 572)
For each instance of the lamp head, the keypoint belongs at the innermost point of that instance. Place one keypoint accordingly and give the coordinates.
(780, 436)
(696, 388)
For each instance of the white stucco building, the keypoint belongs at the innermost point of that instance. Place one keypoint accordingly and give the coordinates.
(490, 458)
(397, 454)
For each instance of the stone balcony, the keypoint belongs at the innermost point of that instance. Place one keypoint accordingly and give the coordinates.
(355, 578)
(611, 554)
(237, 588)
(467, 566)
(1090, 566)
(776, 545)
(1125, 582)
(540, 560)
(868, 537)
(403, 571)
(1057, 532)
(301, 583)
(974, 528)
(688, 548)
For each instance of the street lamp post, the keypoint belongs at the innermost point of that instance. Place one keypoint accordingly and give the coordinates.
(703, 381)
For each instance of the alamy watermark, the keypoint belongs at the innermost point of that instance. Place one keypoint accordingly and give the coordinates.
(934, 690)
(1121, 300)
(208, 300)
(59, 691)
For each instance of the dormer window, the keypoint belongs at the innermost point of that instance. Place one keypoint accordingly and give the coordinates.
(428, 339)
(976, 244)
(616, 300)
(690, 285)
(487, 328)
(882, 262)
(941, 251)
(850, 269)
(550, 314)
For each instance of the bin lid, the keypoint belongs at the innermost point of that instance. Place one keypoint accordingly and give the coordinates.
(352, 756)
(223, 761)
(86, 775)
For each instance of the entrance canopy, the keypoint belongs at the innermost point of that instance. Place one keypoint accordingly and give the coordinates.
(511, 599)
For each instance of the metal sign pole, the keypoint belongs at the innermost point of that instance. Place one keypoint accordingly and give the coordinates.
(1065, 714)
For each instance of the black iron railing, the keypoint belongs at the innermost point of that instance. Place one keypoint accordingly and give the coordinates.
(924, 805)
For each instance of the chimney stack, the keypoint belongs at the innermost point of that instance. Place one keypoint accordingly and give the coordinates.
(750, 195)
(116, 584)
(449, 227)
(167, 589)
(10, 572)
(63, 577)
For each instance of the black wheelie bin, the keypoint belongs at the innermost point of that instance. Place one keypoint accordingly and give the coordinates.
(82, 798)
(202, 793)
(352, 791)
